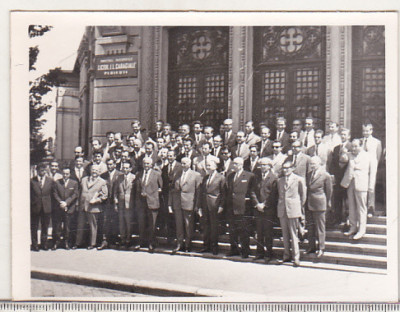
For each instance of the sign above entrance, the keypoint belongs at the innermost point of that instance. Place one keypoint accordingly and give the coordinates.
(116, 66)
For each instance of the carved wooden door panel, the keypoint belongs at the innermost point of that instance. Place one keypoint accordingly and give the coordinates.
(289, 73)
(368, 98)
(198, 75)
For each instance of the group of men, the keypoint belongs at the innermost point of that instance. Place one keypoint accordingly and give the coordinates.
(169, 181)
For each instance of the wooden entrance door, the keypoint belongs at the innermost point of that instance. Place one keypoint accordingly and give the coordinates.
(198, 75)
(289, 73)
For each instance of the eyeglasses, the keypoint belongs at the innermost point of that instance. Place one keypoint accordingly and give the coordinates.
(276, 146)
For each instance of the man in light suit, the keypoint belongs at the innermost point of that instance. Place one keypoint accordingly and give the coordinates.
(251, 137)
(319, 192)
(41, 205)
(123, 201)
(239, 185)
(338, 165)
(292, 197)
(332, 139)
(148, 187)
(265, 199)
(359, 179)
(320, 149)
(212, 202)
(241, 149)
(93, 193)
(372, 146)
(183, 203)
(277, 158)
(200, 162)
(65, 193)
(137, 131)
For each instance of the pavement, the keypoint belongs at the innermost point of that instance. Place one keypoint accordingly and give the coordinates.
(188, 276)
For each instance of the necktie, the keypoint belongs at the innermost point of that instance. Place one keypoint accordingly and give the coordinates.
(294, 159)
(226, 137)
(238, 149)
(169, 168)
(306, 140)
(365, 144)
(209, 180)
(41, 181)
(316, 149)
(146, 173)
(279, 135)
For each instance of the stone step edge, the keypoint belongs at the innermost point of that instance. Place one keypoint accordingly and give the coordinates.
(133, 285)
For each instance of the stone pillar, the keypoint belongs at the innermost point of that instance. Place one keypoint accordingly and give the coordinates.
(240, 86)
(338, 75)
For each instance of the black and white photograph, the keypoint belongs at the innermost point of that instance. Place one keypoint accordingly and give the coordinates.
(247, 157)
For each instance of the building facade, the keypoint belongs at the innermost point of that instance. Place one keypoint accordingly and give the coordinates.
(182, 74)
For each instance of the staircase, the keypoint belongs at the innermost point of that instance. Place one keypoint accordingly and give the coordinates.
(368, 254)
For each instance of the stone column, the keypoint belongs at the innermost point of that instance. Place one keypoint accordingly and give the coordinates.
(338, 75)
(240, 86)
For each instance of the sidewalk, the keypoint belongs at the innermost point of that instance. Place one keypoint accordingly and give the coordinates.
(194, 276)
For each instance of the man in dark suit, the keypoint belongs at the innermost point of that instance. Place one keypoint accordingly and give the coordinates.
(148, 186)
(229, 135)
(211, 205)
(137, 131)
(65, 193)
(319, 192)
(183, 203)
(338, 165)
(198, 135)
(265, 145)
(123, 201)
(109, 228)
(281, 134)
(225, 166)
(189, 150)
(158, 133)
(265, 199)
(41, 194)
(239, 185)
(150, 152)
(251, 163)
(170, 174)
(292, 197)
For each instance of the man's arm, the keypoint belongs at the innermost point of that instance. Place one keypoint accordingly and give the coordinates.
(73, 196)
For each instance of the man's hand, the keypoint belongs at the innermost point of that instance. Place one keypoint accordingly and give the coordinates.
(220, 209)
(63, 204)
(93, 201)
(170, 209)
(260, 207)
(200, 212)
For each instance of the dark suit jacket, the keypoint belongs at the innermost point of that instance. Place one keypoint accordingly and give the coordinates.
(41, 196)
(247, 165)
(267, 151)
(213, 193)
(284, 141)
(266, 191)
(319, 190)
(238, 192)
(110, 184)
(339, 162)
(74, 177)
(68, 193)
(231, 142)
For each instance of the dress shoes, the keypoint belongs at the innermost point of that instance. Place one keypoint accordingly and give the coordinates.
(310, 251)
(188, 249)
(45, 247)
(349, 233)
(296, 263)
(67, 246)
(258, 257)
(245, 256)
(358, 236)
(90, 247)
(136, 248)
(176, 249)
(102, 246)
(35, 248)
(55, 246)
(74, 247)
(320, 253)
(215, 251)
(285, 260)
(151, 248)
(233, 253)
(205, 250)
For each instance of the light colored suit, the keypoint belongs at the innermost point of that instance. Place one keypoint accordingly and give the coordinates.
(252, 139)
(277, 162)
(200, 165)
(292, 197)
(359, 178)
(321, 150)
(184, 202)
(97, 190)
(243, 152)
(332, 140)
